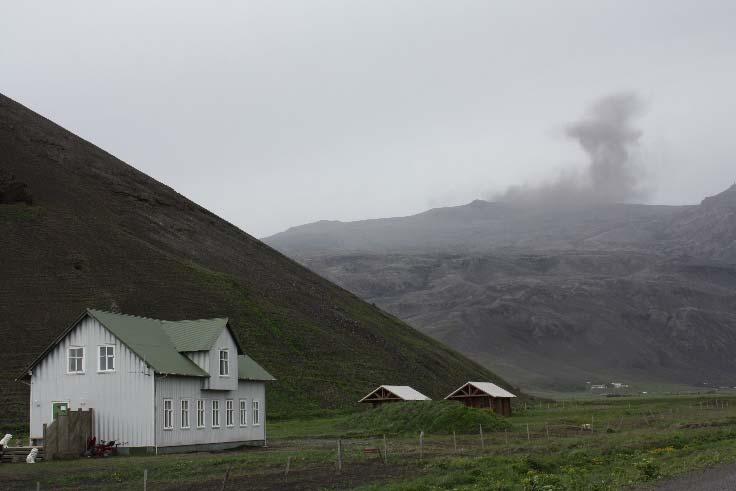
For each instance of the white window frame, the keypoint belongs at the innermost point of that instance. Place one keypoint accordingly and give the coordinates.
(256, 412)
(229, 413)
(168, 414)
(69, 359)
(226, 359)
(107, 358)
(243, 406)
(184, 406)
(201, 411)
(215, 407)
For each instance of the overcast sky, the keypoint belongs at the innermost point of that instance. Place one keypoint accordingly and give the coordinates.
(278, 113)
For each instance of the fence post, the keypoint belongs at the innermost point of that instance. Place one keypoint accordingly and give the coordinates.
(506, 435)
(528, 435)
(454, 441)
(385, 450)
(339, 455)
(286, 471)
(421, 444)
(145, 479)
(227, 475)
(482, 443)
(546, 428)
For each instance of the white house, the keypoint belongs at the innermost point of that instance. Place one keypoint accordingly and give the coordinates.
(156, 386)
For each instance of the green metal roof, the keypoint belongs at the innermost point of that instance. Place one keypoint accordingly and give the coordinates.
(198, 335)
(161, 343)
(248, 369)
(146, 338)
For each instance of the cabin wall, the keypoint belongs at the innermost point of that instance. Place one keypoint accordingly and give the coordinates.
(499, 405)
(122, 399)
(189, 388)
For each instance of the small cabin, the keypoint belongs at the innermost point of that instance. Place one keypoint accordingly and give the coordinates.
(484, 395)
(393, 393)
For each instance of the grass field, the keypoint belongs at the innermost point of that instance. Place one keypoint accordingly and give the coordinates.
(630, 442)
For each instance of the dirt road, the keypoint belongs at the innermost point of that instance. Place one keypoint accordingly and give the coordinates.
(714, 479)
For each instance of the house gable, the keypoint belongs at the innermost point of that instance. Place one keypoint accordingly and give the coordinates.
(122, 394)
(226, 344)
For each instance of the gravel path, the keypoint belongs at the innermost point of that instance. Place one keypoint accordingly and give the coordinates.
(715, 479)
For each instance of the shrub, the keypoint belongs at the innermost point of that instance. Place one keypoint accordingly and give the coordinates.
(648, 469)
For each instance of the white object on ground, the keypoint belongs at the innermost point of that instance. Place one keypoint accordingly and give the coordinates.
(31, 459)
(5, 440)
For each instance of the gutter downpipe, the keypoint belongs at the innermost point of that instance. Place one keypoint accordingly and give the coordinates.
(155, 412)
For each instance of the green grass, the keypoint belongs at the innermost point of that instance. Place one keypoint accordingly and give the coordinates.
(437, 417)
(636, 441)
(19, 212)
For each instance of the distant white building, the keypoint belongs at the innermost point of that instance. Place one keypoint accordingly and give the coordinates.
(156, 386)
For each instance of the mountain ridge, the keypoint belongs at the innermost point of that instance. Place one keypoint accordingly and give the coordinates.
(549, 297)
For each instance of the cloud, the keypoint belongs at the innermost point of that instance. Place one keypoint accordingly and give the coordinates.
(611, 175)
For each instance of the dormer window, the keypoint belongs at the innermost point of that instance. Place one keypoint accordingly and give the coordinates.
(224, 363)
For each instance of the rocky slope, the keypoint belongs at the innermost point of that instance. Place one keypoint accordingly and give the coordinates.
(80, 228)
(552, 298)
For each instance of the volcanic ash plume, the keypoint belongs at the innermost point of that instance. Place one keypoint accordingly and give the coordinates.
(606, 135)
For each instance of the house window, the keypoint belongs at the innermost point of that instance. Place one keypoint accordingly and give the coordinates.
(106, 359)
(243, 412)
(76, 360)
(224, 363)
(184, 413)
(215, 414)
(229, 416)
(200, 413)
(168, 414)
(256, 413)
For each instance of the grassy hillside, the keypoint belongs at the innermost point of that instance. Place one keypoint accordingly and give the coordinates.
(439, 417)
(80, 228)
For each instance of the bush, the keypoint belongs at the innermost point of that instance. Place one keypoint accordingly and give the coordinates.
(429, 416)
(648, 469)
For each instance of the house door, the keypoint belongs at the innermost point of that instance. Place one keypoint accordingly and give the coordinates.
(59, 408)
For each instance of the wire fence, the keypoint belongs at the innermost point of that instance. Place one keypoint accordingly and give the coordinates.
(527, 431)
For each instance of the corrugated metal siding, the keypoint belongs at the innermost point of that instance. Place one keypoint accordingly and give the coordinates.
(201, 358)
(178, 388)
(121, 399)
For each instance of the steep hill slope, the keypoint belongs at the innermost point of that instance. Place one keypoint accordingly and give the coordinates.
(551, 298)
(80, 228)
